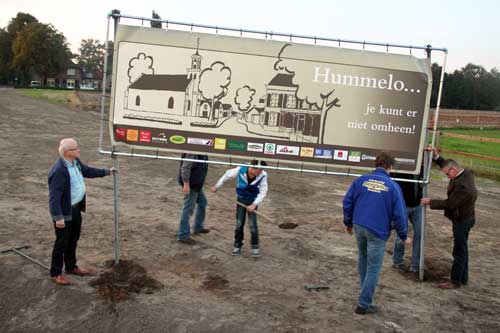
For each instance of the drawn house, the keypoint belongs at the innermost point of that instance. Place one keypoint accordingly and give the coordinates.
(222, 110)
(283, 111)
(165, 93)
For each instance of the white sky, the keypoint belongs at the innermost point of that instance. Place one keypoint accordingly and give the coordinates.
(469, 29)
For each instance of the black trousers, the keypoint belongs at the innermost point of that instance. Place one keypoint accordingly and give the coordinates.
(460, 268)
(64, 251)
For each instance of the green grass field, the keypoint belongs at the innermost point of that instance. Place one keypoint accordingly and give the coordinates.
(482, 167)
(52, 95)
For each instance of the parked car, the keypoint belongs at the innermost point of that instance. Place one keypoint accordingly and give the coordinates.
(34, 84)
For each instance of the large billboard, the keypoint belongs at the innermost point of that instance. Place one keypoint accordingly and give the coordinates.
(280, 101)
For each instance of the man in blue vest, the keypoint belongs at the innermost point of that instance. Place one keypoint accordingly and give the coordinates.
(251, 189)
(372, 207)
(66, 204)
(192, 179)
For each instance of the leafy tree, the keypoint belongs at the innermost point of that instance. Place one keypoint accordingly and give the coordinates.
(154, 24)
(39, 49)
(91, 56)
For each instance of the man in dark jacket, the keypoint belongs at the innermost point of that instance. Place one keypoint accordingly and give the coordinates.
(459, 208)
(66, 204)
(373, 206)
(192, 179)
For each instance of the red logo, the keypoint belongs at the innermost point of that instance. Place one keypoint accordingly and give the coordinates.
(340, 154)
(145, 136)
(120, 133)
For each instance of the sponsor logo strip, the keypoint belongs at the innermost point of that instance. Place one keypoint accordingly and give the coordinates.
(144, 136)
(341, 155)
(236, 145)
(288, 150)
(177, 139)
(199, 141)
(323, 153)
(132, 135)
(354, 156)
(255, 147)
(220, 143)
(307, 152)
(270, 148)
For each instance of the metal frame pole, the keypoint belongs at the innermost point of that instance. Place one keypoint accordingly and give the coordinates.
(116, 17)
(428, 165)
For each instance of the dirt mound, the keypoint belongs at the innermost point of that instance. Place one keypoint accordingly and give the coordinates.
(437, 270)
(215, 281)
(118, 282)
(288, 225)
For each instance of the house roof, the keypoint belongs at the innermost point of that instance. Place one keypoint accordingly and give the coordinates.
(161, 82)
(282, 80)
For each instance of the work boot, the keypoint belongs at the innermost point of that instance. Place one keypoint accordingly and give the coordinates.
(362, 311)
(61, 280)
(188, 241)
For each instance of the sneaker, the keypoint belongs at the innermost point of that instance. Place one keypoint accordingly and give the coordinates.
(188, 241)
(255, 253)
(236, 251)
(362, 311)
(400, 267)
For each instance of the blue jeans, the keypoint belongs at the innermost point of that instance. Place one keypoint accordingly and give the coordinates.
(370, 257)
(241, 213)
(415, 217)
(194, 198)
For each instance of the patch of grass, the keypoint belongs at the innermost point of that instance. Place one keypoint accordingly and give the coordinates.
(471, 146)
(57, 96)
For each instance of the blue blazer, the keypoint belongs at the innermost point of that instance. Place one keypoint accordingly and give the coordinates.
(60, 187)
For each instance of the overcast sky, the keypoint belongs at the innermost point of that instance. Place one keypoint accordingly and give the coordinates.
(469, 29)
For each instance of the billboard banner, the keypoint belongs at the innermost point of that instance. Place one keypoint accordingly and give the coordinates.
(279, 101)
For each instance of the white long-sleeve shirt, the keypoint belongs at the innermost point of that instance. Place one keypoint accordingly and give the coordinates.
(243, 182)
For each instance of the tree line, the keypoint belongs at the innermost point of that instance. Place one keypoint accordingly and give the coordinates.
(29, 49)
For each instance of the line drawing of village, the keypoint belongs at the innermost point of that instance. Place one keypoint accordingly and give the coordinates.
(199, 98)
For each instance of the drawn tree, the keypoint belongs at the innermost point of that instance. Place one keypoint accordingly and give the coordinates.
(244, 99)
(213, 84)
(320, 96)
(138, 66)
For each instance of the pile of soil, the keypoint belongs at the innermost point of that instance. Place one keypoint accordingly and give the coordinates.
(118, 282)
(288, 225)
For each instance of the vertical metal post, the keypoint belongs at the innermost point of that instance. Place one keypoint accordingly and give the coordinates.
(116, 17)
(428, 164)
(117, 225)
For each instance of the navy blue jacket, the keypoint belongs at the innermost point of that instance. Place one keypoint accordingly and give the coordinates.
(60, 188)
(375, 202)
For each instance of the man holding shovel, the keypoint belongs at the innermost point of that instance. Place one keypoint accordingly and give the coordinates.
(251, 189)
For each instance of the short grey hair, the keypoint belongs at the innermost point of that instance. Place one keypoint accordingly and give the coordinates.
(449, 163)
(65, 144)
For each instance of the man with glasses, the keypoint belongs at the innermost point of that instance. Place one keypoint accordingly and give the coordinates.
(66, 203)
(459, 208)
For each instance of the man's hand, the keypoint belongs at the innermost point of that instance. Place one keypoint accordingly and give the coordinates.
(113, 170)
(408, 241)
(213, 189)
(60, 224)
(425, 201)
(186, 189)
(434, 150)
(348, 230)
(251, 208)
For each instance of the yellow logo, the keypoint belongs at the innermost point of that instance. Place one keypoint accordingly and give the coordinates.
(375, 186)
(307, 152)
(132, 135)
(220, 143)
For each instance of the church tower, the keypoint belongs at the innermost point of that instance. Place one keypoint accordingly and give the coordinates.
(192, 103)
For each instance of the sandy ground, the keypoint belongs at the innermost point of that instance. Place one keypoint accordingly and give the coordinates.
(205, 289)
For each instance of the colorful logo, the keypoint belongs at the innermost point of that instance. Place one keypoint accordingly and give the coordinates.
(220, 143)
(354, 156)
(120, 133)
(323, 153)
(132, 135)
(144, 136)
(177, 139)
(236, 145)
(270, 148)
(342, 155)
(198, 141)
(307, 152)
(288, 150)
(255, 147)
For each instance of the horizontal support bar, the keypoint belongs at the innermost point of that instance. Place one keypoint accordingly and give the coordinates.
(281, 34)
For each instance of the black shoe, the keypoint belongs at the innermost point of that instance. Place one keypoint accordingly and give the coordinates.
(400, 267)
(202, 231)
(188, 241)
(362, 311)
